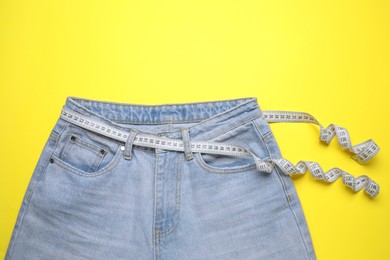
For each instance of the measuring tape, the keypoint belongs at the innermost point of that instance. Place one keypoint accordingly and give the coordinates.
(152, 141)
(363, 151)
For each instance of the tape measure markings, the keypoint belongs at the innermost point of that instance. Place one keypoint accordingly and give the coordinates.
(366, 150)
(362, 152)
(152, 141)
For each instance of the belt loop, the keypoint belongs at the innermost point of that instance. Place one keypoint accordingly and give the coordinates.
(129, 144)
(186, 141)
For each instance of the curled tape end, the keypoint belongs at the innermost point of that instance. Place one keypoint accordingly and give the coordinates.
(362, 152)
(356, 184)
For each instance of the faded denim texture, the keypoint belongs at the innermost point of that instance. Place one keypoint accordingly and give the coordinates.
(85, 200)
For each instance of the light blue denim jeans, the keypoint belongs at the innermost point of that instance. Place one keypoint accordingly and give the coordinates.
(87, 200)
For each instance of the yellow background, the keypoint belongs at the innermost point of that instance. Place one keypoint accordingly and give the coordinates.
(328, 58)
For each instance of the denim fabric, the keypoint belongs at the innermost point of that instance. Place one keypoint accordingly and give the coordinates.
(88, 199)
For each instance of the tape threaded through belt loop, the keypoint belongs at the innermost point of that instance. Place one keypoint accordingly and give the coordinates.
(363, 151)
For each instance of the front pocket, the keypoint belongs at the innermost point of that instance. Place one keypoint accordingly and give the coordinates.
(85, 152)
(224, 163)
(101, 171)
(245, 135)
(83, 155)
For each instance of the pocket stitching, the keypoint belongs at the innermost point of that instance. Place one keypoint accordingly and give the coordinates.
(95, 149)
(84, 144)
(77, 171)
(230, 170)
(212, 169)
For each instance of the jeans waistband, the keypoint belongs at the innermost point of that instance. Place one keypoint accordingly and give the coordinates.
(209, 117)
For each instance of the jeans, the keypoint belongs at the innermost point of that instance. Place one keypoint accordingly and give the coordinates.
(92, 196)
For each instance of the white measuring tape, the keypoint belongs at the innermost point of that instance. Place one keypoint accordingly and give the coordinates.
(363, 151)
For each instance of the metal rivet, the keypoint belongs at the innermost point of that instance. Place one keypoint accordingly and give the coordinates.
(51, 160)
(73, 138)
(102, 151)
(122, 148)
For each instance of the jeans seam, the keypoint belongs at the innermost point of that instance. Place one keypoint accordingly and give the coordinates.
(47, 163)
(266, 137)
(292, 211)
(262, 137)
(178, 193)
(27, 200)
(155, 232)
